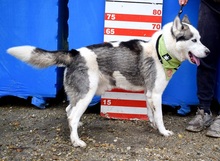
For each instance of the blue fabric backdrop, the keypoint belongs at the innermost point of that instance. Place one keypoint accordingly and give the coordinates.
(26, 23)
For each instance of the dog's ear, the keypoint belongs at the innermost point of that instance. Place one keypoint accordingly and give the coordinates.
(177, 24)
(186, 19)
(177, 27)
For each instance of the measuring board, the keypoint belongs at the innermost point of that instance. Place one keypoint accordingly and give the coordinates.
(125, 20)
(122, 104)
(132, 19)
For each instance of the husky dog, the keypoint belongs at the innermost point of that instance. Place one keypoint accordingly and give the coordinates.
(131, 65)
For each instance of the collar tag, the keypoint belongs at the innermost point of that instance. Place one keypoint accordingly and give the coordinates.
(167, 57)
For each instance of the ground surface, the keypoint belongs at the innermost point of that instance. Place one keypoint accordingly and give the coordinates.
(27, 133)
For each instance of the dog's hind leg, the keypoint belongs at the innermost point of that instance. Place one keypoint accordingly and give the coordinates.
(81, 81)
(68, 110)
(74, 118)
(79, 103)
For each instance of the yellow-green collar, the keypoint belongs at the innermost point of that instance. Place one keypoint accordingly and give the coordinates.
(170, 64)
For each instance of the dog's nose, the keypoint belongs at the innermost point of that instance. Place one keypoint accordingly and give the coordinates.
(207, 52)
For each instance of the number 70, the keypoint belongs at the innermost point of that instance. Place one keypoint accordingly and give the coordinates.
(156, 26)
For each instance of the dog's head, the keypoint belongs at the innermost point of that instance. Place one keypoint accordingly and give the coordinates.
(187, 41)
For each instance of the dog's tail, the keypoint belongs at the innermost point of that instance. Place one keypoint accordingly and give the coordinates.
(42, 58)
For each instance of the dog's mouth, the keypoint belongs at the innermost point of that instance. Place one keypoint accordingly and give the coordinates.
(194, 59)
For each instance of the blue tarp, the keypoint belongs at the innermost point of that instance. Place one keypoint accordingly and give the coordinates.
(26, 23)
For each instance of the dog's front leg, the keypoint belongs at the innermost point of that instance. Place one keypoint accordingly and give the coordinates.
(156, 108)
(150, 113)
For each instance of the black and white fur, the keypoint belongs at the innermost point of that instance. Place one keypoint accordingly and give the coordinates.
(131, 65)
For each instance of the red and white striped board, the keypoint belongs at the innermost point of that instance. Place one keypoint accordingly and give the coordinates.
(121, 104)
(132, 19)
(125, 20)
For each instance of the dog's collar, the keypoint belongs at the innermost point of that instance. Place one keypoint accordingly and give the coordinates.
(169, 63)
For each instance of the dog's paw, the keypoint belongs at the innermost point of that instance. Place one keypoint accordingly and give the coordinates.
(79, 143)
(167, 133)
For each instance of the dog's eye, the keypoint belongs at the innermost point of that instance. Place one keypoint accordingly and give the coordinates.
(194, 40)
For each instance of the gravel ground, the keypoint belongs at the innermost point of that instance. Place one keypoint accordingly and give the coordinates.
(28, 133)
